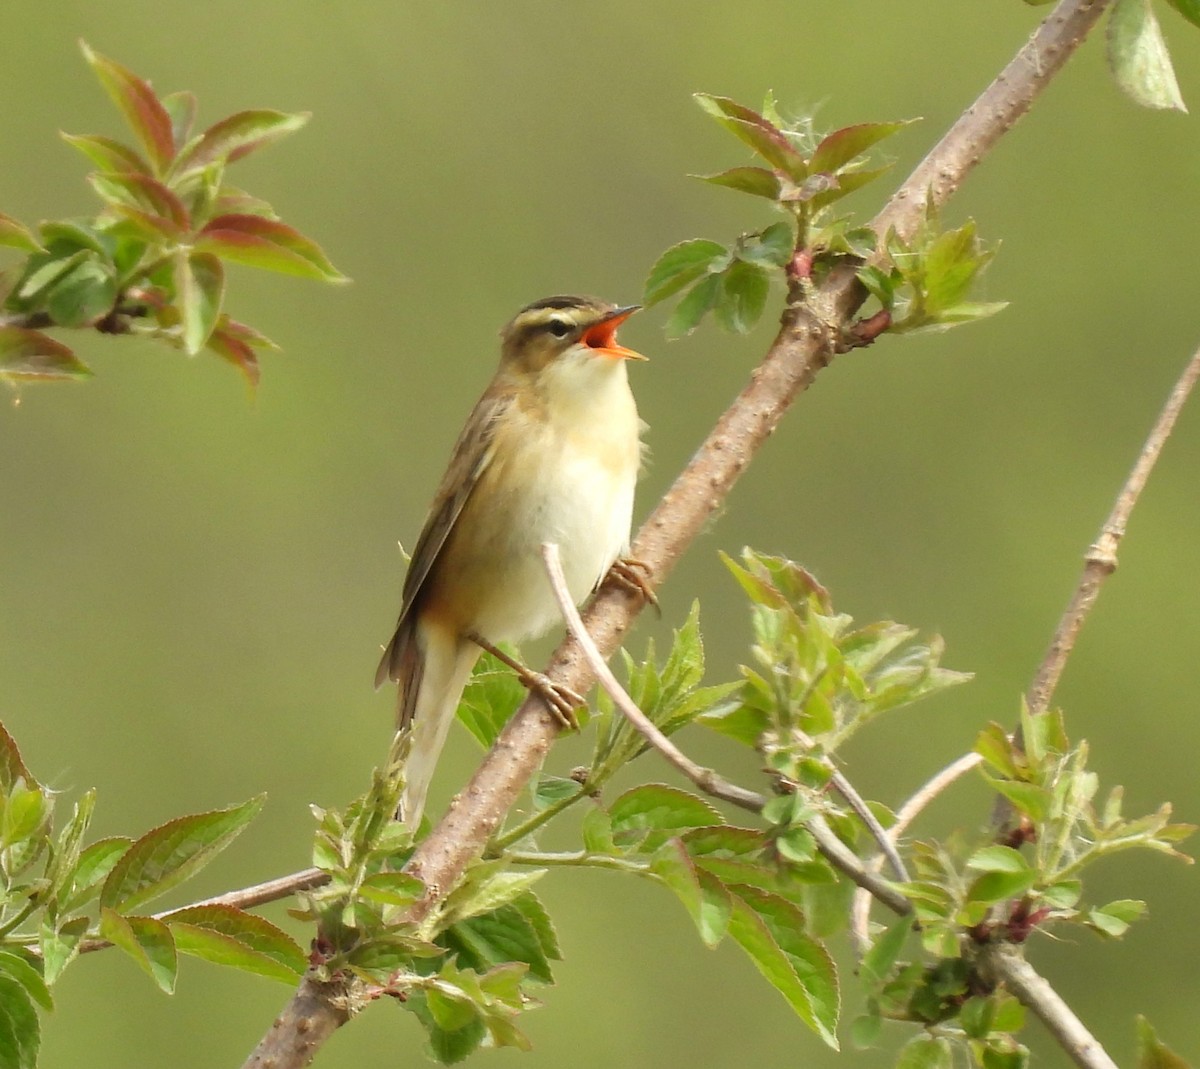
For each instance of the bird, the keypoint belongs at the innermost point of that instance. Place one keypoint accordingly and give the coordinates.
(550, 453)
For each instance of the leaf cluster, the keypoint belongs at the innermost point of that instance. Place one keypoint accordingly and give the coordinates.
(153, 260)
(800, 174)
(60, 895)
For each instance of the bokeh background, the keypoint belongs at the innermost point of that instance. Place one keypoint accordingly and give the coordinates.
(196, 581)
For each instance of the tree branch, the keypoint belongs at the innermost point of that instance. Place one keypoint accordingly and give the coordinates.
(1100, 561)
(808, 338)
(1004, 962)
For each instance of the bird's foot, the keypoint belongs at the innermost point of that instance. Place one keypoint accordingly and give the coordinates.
(562, 701)
(634, 575)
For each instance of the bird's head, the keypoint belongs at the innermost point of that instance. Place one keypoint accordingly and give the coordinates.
(565, 329)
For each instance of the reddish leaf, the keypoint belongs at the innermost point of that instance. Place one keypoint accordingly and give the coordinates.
(238, 136)
(266, 243)
(12, 767)
(108, 154)
(30, 354)
(245, 332)
(238, 353)
(841, 146)
(764, 137)
(137, 102)
(143, 193)
(757, 181)
(236, 202)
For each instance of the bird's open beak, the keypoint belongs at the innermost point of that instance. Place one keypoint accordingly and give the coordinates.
(602, 336)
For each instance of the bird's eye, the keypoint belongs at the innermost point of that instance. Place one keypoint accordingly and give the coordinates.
(559, 328)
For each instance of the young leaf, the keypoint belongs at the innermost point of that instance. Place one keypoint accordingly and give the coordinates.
(926, 1052)
(32, 355)
(877, 963)
(82, 296)
(1152, 1053)
(682, 264)
(137, 102)
(238, 136)
(496, 938)
(757, 181)
(266, 243)
(16, 236)
(689, 311)
(841, 146)
(12, 765)
(144, 194)
(1138, 57)
(147, 941)
(229, 936)
(181, 107)
(199, 291)
(169, 854)
(751, 128)
(108, 154)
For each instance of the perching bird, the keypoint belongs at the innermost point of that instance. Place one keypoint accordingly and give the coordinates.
(550, 453)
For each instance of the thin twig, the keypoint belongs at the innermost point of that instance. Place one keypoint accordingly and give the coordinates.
(1006, 963)
(905, 815)
(808, 338)
(830, 846)
(704, 778)
(1100, 561)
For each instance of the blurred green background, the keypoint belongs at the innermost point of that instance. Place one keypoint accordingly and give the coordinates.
(197, 582)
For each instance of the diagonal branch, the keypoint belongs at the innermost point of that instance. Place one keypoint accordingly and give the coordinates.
(1100, 561)
(809, 336)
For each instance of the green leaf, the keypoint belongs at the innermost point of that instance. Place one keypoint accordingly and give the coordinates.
(1029, 798)
(167, 855)
(32, 355)
(199, 291)
(239, 135)
(496, 938)
(392, 888)
(878, 962)
(771, 931)
(60, 945)
(147, 941)
(20, 969)
(772, 247)
(841, 146)
(1152, 1053)
(20, 1031)
(96, 861)
(757, 181)
(490, 699)
(926, 1052)
(998, 859)
(548, 790)
(689, 311)
(266, 243)
(445, 1047)
(83, 296)
(228, 936)
(487, 887)
(16, 236)
(752, 129)
(1138, 56)
(702, 894)
(137, 102)
(597, 832)
(742, 296)
(998, 886)
(744, 723)
(181, 107)
(1114, 919)
(645, 817)
(682, 264)
(1189, 9)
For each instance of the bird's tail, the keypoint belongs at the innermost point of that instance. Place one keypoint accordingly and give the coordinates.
(432, 668)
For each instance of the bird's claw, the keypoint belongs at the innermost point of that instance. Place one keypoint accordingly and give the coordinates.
(634, 575)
